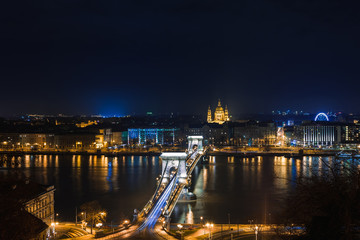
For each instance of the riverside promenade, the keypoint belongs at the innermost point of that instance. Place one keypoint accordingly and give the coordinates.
(156, 151)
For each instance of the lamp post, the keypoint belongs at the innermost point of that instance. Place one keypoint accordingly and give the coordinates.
(229, 220)
(126, 222)
(202, 223)
(84, 219)
(208, 225)
(53, 224)
(53, 227)
(180, 227)
(256, 232)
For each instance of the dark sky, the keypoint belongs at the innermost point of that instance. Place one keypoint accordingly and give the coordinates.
(121, 57)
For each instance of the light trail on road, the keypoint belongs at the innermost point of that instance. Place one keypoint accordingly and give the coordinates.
(156, 211)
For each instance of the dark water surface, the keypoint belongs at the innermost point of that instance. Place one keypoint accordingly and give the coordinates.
(228, 187)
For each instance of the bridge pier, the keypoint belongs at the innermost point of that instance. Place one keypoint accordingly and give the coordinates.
(172, 161)
(195, 143)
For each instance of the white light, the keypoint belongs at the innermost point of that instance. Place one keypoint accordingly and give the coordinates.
(173, 154)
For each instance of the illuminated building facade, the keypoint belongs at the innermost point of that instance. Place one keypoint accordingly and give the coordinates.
(321, 132)
(75, 141)
(36, 140)
(42, 205)
(321, 135)
(86, 124)
(38, 202)
(151, 135)
(220, 115)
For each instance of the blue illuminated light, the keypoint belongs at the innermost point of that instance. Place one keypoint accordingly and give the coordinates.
(321, 117)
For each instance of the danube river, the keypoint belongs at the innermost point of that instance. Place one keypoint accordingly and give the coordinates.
(228, 188)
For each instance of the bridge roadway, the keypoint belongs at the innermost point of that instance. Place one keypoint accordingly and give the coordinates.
(174, 197)
(162, 202)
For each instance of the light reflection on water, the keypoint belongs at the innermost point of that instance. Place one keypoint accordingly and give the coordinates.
(245, 188)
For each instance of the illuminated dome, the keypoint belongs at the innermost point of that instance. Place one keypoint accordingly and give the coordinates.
(220, 115)
(219, 109)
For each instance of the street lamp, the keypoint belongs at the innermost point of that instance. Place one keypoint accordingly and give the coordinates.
(126, 222)
(208, 225)
(256, 232)
(84, 219)
(53, 226)
(180, 227)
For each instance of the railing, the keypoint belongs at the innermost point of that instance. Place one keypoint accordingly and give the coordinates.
(149, 205)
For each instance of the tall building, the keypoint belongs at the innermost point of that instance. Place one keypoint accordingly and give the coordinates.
(220, 115)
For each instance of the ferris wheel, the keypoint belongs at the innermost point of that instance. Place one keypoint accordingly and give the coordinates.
(321, 117)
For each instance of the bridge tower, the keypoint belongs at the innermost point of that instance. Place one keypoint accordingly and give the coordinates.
(172, 161)
(195, 142)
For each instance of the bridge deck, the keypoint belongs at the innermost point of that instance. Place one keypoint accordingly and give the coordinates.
(166, 196)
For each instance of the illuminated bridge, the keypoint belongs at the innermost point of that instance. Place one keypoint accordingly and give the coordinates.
(176, 173)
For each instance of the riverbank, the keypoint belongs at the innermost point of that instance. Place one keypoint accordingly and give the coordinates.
(232, 151)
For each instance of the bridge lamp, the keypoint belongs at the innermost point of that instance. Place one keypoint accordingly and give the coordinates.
(126, 222)
(180, 227)
(164, 224)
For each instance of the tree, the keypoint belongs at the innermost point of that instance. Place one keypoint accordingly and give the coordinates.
(328, 204)
(93, 212)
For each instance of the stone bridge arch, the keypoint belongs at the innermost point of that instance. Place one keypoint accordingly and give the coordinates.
(174, 160)
(195, 141)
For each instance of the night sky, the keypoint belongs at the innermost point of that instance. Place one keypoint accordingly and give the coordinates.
(125, 57)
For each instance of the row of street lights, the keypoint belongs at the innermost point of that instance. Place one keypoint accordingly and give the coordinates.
(208, 225)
